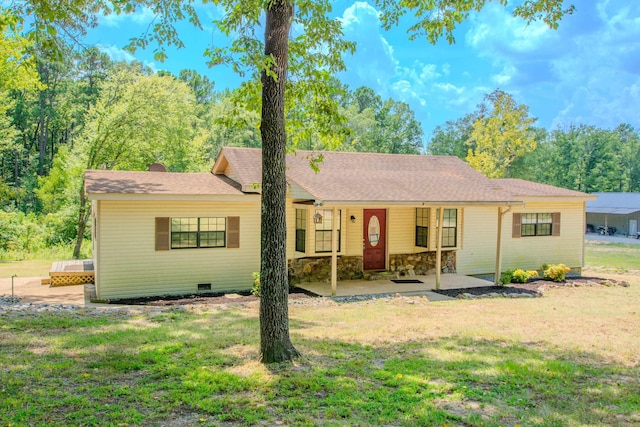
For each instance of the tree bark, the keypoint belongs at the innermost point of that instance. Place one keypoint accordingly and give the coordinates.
(83, 217)
(275, 343)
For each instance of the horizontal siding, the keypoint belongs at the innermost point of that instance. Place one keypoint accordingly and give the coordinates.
(345, 224)
(479, 235)
(477, 255)
(353, 232)
(401, 230)
(129, 265)
(532, 252)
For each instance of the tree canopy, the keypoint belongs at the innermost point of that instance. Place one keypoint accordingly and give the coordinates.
(501, 133)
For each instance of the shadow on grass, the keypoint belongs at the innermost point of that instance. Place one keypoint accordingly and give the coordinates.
(202, 368)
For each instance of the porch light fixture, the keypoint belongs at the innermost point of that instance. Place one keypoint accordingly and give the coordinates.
(353, 219)
(317, 218)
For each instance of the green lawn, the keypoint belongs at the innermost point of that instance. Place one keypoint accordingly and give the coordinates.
(571, 358)
(200, 368)
(617, 256)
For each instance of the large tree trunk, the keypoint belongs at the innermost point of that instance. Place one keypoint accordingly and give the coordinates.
(275, 344)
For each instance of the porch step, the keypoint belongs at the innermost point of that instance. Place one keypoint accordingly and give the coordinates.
(380, 275)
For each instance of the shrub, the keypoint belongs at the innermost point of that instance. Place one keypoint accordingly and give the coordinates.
(555, 272)
(507, 277)
(255, 289)
(517, 275)
(522, 276)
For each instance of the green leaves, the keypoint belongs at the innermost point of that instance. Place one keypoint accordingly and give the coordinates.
(435, 19)
(502, 133)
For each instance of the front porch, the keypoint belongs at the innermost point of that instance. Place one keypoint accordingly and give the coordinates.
(375, 287)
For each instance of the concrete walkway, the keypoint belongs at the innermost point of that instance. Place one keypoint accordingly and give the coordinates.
(375, 287)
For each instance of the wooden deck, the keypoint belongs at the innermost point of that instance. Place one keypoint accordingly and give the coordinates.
(70, 273)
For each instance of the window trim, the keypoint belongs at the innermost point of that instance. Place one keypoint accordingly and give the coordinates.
(517, 225)
(536, 225)
(329, 230)
(300, 243)
(198, 233)
(454, 228)
(425, 228)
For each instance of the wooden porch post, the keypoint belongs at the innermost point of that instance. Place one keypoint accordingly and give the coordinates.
(496, 279)
(334, 251)
(439, 247)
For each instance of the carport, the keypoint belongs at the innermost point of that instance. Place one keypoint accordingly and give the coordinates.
(619, 210)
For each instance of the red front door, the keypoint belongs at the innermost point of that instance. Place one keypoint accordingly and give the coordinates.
(374, 236)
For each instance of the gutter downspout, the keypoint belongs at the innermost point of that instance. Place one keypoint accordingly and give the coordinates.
(497, 274)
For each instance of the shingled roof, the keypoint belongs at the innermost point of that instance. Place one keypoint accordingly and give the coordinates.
(522, 188)
(344, 177)
(162, 183)
(372, 177)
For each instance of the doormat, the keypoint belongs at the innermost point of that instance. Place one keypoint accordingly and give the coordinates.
(406, 281)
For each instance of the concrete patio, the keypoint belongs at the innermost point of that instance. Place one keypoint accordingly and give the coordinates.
(374, 287)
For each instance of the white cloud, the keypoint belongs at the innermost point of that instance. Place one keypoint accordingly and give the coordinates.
(505, 75)
(117, 54)
(495, 30)
(416, 82)
(373, 64)
(143, 16)
(598, 79)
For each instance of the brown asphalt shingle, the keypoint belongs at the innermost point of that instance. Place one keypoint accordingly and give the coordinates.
(343, 177)
(364, 177)
(522, 188)
(128, 182)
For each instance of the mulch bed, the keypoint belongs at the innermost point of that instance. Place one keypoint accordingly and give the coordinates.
(207, 298)
(532, 288)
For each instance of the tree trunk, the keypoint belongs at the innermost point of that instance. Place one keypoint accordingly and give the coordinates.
(42, 137)
(275, 344)
(83, 217)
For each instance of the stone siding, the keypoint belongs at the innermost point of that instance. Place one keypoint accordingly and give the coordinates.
(422, 263)
(319, 269)
(351, 267)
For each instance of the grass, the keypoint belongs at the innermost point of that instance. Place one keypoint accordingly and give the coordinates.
(568, 359)
(619, 256)
(37, 263)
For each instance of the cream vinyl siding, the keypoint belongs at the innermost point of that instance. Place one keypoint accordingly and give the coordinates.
(532, 252)
(480, 236)
(129, 265)
(401, 230)
(310, 243)
(353, 232)
(478, 253)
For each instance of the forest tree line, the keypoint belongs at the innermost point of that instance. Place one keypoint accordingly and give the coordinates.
(63, 114)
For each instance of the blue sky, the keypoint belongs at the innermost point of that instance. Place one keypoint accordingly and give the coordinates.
(585, 72)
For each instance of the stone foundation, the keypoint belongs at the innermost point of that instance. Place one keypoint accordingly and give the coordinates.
(422, 263)
(319, 269)
(351, 267)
